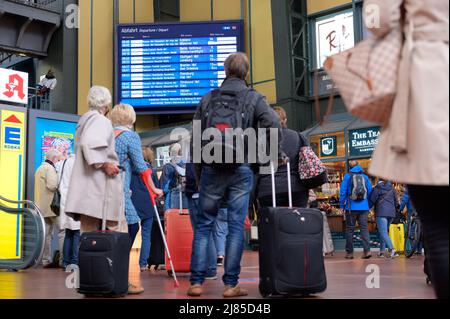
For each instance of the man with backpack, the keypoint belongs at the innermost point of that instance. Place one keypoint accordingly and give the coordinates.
(354, 200)
(233, 106)
(173, 179)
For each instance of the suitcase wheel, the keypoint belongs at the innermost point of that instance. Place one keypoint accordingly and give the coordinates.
(428, 281)
(170, 273)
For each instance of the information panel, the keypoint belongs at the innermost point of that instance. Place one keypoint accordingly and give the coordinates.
(12, 169)
(173, 65)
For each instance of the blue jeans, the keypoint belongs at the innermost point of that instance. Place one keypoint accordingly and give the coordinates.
(383, 224)
(70, 247)
(146, 234)
(234, 186)
(350, 220)
(221, 231)
(194, 209)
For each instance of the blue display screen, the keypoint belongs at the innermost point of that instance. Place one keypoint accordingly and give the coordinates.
(168, 66)
(53, 134)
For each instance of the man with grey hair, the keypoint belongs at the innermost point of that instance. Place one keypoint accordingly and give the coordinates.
(96, 187)
(233, 106)
(45, 187)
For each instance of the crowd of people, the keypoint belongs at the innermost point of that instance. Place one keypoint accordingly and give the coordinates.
(102, 179)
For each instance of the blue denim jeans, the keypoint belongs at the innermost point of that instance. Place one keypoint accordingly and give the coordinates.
(350, 221)
(194, 209)
(383, 224)
(221, 231)
(234, 186)
(146, 235)
(70, 247)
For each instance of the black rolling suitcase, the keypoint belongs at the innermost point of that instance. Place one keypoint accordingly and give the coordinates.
(290, 250)
(104, 262)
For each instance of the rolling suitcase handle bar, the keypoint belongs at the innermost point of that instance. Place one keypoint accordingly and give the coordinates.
(272, 173)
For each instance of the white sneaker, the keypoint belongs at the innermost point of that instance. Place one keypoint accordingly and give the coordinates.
(394, 254)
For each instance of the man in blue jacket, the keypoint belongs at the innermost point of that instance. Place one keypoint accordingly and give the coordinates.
(354, 200)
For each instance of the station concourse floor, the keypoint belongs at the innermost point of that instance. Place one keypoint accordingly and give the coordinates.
(400, 278)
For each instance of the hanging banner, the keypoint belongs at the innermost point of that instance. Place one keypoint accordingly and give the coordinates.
(12, 164)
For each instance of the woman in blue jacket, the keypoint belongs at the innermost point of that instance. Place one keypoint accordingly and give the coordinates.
(384, 199)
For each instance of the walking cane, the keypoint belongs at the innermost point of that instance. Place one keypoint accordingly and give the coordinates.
(153, 197)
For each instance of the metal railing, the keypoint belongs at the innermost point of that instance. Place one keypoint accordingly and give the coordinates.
(37, 101)
(33, 234)
(50, 5)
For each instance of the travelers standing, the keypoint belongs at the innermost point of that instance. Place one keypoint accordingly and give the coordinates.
(67, 223)
(129, 150)
(171, 179)
(95, 187)
(384, 199)
(231, 182)
(141, 199)
(414, 148)
(45, 187)
(354, 200)
(292, 143)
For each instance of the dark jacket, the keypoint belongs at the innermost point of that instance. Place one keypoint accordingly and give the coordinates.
(191, 182)
(258, 111)
(384, 199)
(345, 201)
(291, 144)
(140, 195)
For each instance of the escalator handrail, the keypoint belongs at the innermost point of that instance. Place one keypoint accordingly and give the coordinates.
(36, 213)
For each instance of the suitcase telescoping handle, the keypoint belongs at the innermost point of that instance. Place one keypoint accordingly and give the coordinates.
(272, 173)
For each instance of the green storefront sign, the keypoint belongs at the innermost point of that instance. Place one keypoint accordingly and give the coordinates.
(328, 146)
(362, 142)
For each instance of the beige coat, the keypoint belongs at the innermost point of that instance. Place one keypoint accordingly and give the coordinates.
(91, 192)
(414, 148)
(45, 185)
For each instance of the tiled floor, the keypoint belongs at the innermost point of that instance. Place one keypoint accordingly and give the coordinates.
(399, 278)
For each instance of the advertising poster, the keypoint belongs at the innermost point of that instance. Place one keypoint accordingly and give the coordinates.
(334, 34)
(53, 134)
(162, 155)
(12, 163)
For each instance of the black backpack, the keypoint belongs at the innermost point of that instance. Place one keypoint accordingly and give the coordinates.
(226, 110)
(358, 189)
(179, 180)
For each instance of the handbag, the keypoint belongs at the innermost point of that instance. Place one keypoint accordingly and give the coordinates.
(312, 172)
(55, 206)
(367, 76)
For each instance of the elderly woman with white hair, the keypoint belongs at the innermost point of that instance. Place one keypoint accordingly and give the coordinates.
(96, 187)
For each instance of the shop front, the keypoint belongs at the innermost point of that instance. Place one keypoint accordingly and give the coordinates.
(342, 139)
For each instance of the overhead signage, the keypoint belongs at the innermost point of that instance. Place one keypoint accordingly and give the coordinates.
(362, 142)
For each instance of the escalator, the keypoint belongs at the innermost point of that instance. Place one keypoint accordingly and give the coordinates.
(31, 238)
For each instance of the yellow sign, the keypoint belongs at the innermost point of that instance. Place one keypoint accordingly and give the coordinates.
(12, 163)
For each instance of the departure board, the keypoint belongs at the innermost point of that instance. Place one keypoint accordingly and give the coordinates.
(168, 66)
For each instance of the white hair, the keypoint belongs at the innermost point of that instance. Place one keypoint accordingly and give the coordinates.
(52, 153)
(175, 150)
(99, 97)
